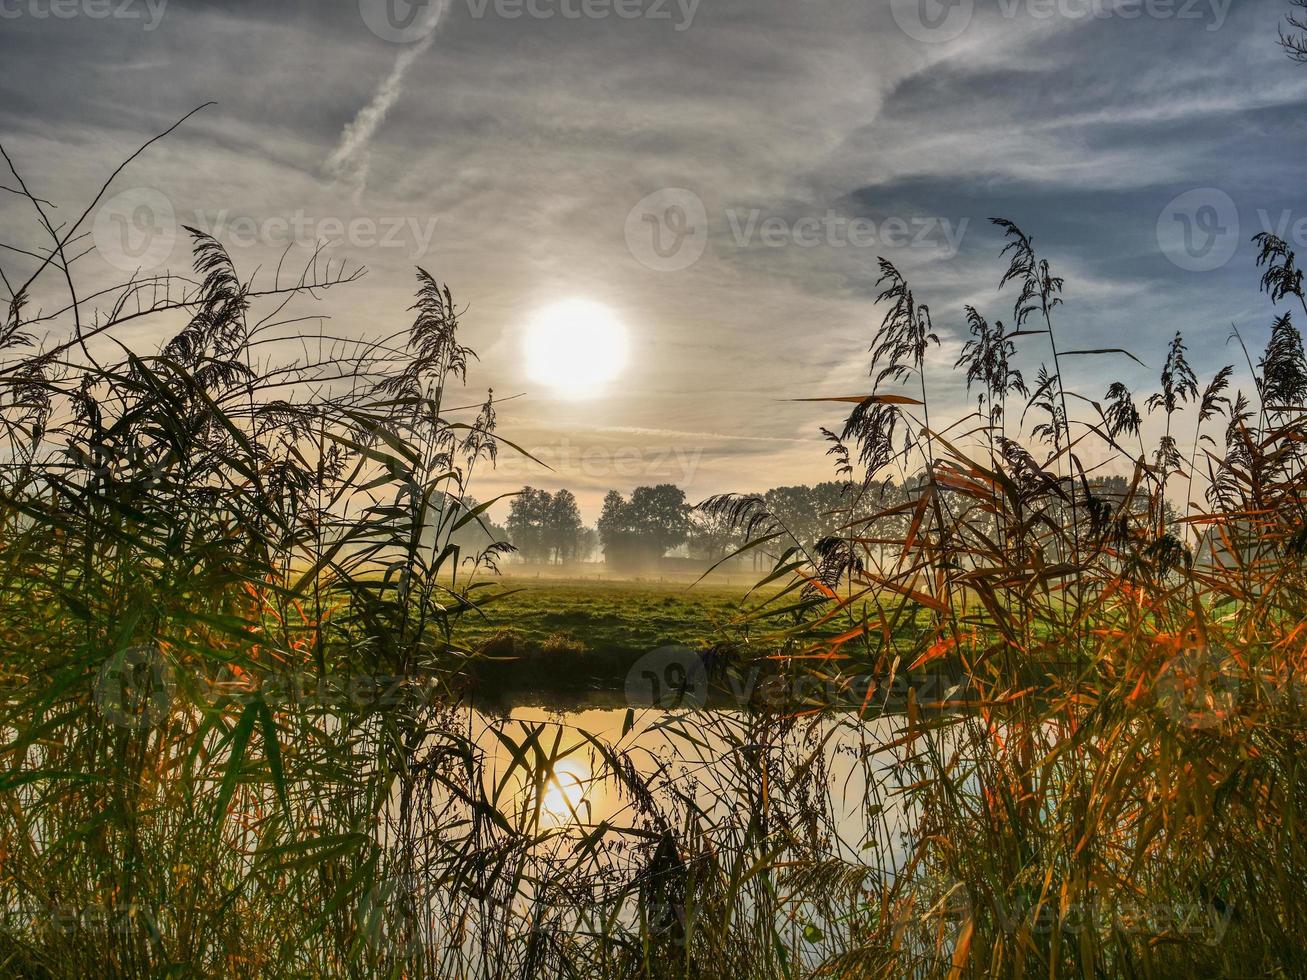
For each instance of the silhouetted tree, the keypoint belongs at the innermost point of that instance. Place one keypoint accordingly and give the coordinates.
(527, 514)
(644, 528)
(544, 527)
(713, 536)
(563, 526)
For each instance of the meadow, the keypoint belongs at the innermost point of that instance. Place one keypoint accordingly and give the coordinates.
(552, 636)
(188, 533)
(628, 617)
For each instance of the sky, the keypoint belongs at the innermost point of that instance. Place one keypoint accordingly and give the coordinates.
(720, 175)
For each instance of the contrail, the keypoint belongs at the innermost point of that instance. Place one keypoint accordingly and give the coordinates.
(349, 161)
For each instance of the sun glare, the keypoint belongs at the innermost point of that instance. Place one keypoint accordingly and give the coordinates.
(564, 797)
(575, 347)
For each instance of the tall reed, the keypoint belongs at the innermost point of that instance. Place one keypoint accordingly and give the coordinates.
(234, 718)
(1117, 790)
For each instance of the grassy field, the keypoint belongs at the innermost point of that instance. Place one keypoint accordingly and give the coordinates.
(563, 637)
(607, 616)
(561, 641)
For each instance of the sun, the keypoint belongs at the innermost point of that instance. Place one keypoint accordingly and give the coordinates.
(564, 798)
(576, 347)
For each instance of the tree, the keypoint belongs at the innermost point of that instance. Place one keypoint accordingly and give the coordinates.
(660, 516)
(528, 520)
(563, 526)
(611, 526)
(713, 536)
(796, 508)
(544, 527)
(644, 528)
(809, 516)
(616, 531)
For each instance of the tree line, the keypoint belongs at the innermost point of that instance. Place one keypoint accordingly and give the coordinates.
(656, 522)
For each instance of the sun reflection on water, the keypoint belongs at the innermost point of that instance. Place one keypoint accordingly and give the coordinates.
(565, 797)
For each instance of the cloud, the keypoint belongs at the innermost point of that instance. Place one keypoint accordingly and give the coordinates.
(349, 162)
(548, 131)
